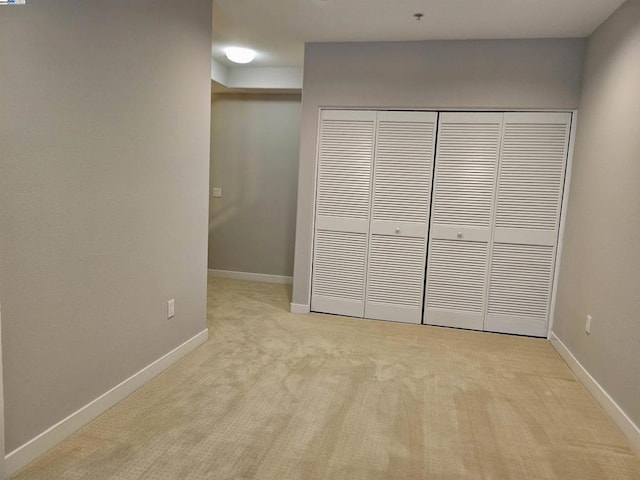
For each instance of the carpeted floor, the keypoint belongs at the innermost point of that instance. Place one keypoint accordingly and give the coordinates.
(278, 396)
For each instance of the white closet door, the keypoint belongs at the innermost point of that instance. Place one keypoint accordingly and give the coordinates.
(461, 219)
(530, 186)
(400, 215)
(345, 161)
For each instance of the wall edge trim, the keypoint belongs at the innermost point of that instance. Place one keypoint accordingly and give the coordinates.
(55, 434)
(608, 404)
(299, 308)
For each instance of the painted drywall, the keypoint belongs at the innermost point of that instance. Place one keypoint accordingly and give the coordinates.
(601, 255)
(485, 74)
(2, 462)
(254, 159)
(105, 111)
(257, 77)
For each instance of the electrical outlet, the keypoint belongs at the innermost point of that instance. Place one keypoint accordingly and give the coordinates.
(171, 308)
(216, 192)
(587, 325)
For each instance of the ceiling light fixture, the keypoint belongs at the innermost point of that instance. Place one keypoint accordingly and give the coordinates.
(239, 54)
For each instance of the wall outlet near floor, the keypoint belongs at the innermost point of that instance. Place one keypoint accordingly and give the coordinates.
(171, 308)
(587, 325)
(216, 192)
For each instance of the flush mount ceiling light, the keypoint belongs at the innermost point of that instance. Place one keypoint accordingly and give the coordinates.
(239, 54)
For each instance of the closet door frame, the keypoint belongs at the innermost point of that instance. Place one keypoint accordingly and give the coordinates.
(563, 209)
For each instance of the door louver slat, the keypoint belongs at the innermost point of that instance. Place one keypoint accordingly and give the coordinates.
(395, 278)
(344, 176)
(457, 275)
(531, 175)
(403, 171)
(466, 169)
(521, 280)
(340, 265)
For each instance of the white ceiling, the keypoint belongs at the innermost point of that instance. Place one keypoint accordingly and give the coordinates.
(278, 29)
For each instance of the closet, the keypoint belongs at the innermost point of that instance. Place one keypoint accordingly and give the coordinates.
(497, 179)
(496, 210)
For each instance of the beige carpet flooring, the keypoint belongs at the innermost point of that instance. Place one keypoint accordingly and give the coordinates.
(278, 396)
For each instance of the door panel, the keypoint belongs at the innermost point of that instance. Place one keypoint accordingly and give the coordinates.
(396, 278)
(400, 214)
(345, 164)
(529, 198)
(466, 164)
(339, 272)
(465, 179)
(456, 283)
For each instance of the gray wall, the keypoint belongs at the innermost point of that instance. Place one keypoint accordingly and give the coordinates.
(600, 269)
(496, 74)
(2, 459)
(254, 158)
(103, 195)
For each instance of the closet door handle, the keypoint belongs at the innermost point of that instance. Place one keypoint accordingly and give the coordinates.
(397, 229)
(459, 236)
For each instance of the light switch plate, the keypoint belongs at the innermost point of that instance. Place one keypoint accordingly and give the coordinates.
(216, 192)
(171, 308)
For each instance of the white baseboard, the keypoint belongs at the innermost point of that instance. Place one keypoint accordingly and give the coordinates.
(299, 308)
(621, 419)
(253, 277)
(35, 447)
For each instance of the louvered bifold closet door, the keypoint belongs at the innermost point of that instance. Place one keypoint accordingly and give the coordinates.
(530, 186)
(461, 218)
(345, 163)
(400, 215)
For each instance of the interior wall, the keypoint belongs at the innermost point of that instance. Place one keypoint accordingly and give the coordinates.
(2, 459)
(104, 124)
(481, 74)
(254, 158)
(601, 254)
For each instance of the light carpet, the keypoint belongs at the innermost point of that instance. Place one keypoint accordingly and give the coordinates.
(273, 395)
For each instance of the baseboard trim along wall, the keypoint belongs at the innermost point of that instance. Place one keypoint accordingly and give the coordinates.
(35, 447)
(299, 308)
(630, 429)
(254, 277)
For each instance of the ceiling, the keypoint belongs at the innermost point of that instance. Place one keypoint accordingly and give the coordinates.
(278, 29)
